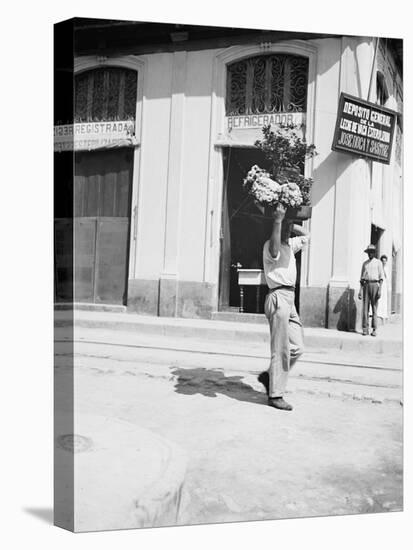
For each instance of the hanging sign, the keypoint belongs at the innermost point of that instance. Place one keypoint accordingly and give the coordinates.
(88, 136)
(364, 128)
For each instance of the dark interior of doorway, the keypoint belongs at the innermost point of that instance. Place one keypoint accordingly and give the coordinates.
(244, 231)
(63, 167)
(375, 236)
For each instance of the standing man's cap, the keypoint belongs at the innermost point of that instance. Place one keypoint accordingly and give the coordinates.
(371, 247)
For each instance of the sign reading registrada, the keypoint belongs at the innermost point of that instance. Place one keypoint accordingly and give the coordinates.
(364, 129)
(87, 136)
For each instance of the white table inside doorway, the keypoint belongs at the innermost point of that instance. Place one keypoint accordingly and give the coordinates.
(250, 277)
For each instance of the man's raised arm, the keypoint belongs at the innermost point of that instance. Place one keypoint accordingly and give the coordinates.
(275, 240)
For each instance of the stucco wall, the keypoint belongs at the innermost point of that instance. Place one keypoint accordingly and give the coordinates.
(325, 163)
(154, 166)
(194, 186)
(157, 179)
(179, 173)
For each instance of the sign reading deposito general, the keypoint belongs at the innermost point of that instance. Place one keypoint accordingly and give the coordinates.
(94, 135)
(364, 128)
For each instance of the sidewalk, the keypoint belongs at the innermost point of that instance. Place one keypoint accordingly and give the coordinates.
(388, 341)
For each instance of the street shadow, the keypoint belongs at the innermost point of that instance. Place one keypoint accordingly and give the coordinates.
(210, 383)
(44, 514)
(347, 308)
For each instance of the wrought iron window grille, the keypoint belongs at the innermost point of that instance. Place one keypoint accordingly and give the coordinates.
(105, 94)
(267, 84)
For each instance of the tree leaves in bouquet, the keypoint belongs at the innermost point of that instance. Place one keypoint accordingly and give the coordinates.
(286, 153)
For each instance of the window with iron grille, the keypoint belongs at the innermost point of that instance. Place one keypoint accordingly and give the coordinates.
(381, 92)
(105, 94)
(267, 84)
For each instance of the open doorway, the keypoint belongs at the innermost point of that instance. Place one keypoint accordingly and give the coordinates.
(244, 231)
(375, 237)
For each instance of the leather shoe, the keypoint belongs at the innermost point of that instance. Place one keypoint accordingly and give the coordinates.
(279, 403)
(373, 332)
(264, 379)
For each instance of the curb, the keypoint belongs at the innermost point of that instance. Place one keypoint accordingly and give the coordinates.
(126, 476)
(222, 331)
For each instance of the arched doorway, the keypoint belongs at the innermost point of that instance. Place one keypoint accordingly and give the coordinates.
(96, 240)
(261, 90)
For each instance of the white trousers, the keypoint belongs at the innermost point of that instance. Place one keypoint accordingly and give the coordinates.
(286, 334)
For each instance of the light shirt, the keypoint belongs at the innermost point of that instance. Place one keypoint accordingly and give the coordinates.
(372, 270)
(282, 270)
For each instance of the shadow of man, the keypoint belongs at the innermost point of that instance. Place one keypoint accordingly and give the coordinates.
(210, 383)
(347, 308)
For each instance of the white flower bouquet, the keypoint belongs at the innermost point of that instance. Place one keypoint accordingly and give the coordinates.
(291, 195)
(268, 193)
(284, 182)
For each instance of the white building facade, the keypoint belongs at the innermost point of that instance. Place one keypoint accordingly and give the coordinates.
(190, 148)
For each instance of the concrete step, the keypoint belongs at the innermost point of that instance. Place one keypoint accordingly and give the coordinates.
(236, 317)
(83, 306)
(220, 331)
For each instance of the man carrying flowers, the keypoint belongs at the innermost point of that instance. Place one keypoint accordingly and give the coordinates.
(282, 186)
(286, 331)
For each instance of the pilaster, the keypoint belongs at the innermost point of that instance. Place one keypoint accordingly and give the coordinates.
(169, 275)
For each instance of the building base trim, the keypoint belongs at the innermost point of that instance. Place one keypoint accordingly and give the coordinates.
(170, 297)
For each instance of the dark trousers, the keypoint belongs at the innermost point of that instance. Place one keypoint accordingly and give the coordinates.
(370, 296)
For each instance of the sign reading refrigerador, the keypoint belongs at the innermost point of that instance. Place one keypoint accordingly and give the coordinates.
(364, 128)
(241, 122)
(94, 135)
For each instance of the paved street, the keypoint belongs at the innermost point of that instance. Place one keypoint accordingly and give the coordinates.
(338, 452)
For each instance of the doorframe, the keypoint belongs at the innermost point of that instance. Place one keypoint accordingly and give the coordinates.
(220, 138)
(139, 65)
(102, 160)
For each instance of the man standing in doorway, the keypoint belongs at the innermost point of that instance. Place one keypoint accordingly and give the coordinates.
(371, 280)
(286, 331)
